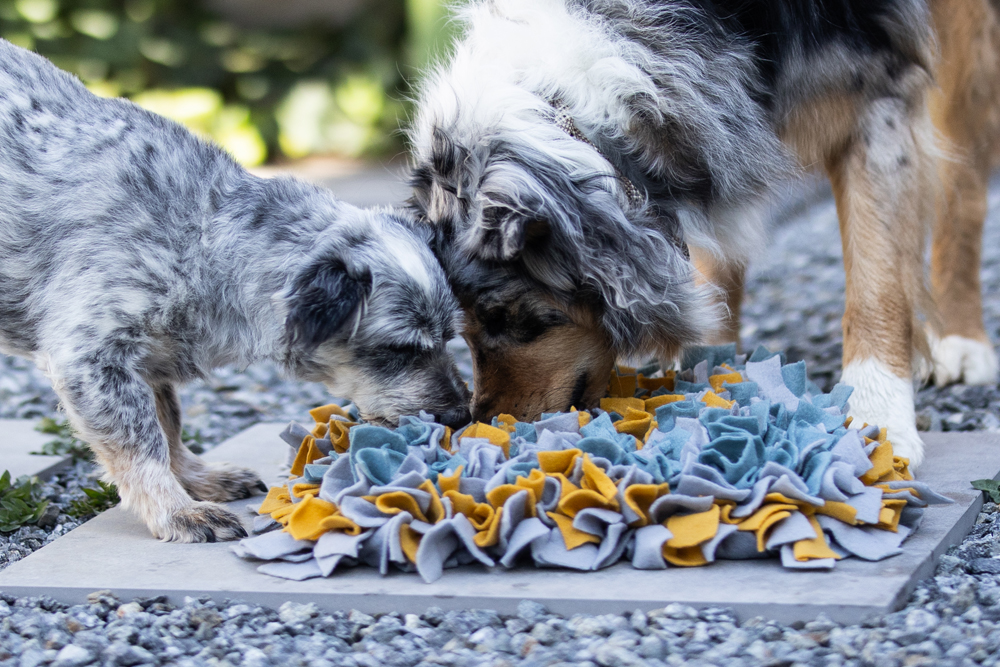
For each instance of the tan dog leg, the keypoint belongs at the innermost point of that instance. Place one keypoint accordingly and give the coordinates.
(114, 410)
(883, 183)
(217, 482)
(729, 278)
(961, 349)
(966, 111)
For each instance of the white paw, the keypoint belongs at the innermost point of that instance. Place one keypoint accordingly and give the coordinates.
(883, 398)
(958, 359)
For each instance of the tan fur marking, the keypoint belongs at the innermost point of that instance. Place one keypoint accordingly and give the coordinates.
(966, 112)
(729, 277)
(883, 184)
(815, 129)
(527, 380)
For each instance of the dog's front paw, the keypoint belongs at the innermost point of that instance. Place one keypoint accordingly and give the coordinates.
(222, 483)
(202, 522)
(960, 359)
(880, 397)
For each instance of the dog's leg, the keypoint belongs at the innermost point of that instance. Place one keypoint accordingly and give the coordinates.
(113, 408)
(219, 482)
(729, 278)
(883, 182)
(960, 348)
(964, 108)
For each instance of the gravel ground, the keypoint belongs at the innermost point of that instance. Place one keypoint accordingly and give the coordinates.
(794, 303)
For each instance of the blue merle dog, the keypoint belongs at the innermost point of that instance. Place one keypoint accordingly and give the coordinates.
(134, 256)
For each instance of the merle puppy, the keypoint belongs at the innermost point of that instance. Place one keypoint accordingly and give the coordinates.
(569, 148)
(134, 256)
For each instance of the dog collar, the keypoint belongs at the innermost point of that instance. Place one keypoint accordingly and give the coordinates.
(564, 121)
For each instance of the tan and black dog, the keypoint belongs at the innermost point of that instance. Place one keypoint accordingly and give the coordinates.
(569, 151)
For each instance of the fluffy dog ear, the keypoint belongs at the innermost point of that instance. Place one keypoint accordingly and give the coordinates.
(508, 233)
(321, 302)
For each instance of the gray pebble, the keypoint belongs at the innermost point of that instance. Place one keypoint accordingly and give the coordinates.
(292, 613)
(530, 611)
(72, 656)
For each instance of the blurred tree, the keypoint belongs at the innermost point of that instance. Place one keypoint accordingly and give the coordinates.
(431, 31)
(259, 86)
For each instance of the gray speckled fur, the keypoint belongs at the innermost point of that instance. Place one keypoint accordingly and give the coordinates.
(134, 256)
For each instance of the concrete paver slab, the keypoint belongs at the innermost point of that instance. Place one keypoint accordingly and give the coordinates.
(18, 438)
(137, 565)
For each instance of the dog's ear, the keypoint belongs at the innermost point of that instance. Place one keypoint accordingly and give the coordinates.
(321, 303)
(507, 233)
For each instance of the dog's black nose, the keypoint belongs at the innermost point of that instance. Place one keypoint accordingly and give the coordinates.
(456, 418)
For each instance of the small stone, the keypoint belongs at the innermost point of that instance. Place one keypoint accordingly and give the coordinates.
(973, 614)
(609, 655)
(516, 625)
(984, 566)
(362, 619)
(531, 612)
(652, 647)
(680, 611)
(127, 609)
(293, 613)
(385, 630)
(821, 624)
(924, 421)
(950, 564)
(48, 517)
(801, 641)
(921, 621)
(639, 620)
(238, 610)
(32, 658)
(964, 597)
(128, 656)
(72, 656)
(433, 615)
(545, 633)
(254, 657)
(483, 637)
(104, 597)
(958, 651)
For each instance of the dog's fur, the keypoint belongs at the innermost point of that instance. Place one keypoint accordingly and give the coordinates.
(965, 107)
(704, 105)
(134, 256)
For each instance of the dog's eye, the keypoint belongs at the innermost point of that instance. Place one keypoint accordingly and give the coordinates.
(493, 321)
(390, 360)
(521, 323)
(404, 350)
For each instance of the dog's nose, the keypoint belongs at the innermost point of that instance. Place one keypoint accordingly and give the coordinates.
(456, 418)
(482, 410)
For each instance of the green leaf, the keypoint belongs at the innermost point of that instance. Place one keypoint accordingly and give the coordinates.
(990, 487)
(104, 497)
(20, 501)
(65, 444)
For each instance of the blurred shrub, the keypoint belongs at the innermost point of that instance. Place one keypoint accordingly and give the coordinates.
(258, 92)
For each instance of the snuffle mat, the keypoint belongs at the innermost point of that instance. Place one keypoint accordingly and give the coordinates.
(731, 458)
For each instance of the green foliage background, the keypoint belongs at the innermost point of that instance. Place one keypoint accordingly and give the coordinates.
(21, 502)
(261, 93)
